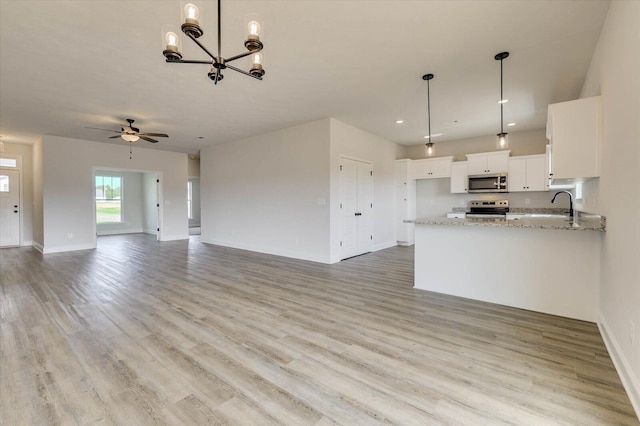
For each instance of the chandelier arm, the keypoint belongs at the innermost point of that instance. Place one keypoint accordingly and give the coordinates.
(243, 72)
(195, 40)
(188, 61)
(242, 55)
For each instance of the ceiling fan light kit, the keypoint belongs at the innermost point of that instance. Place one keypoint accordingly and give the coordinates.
(191, 28)
(132, 134)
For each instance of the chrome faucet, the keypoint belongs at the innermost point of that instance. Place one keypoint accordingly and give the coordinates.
(570, 200)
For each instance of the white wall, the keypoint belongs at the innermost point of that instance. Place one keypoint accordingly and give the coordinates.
(132, 204)
(614, 73)
(352, 142)
(266, 193)
(149, 202)
(520, 143)
(68, 189)
(195, 202)
(434, 198)
(38, 219)
(26, 183)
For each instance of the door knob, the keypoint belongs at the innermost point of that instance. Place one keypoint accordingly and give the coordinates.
(15, 207)
(15, 211)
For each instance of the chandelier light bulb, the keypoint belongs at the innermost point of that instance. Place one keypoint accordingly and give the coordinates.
(254, 28)
(171, 39)
(503, 141)
(191, 11)
(257, 59)
(429, 150)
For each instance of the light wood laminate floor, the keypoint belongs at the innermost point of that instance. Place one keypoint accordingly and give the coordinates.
(139, 332)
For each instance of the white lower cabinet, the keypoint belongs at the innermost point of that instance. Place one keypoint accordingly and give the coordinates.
(459, 180)
(528, 173)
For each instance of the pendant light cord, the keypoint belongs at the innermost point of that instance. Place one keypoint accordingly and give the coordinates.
(219, 32)
(501, 101)
(429, 110)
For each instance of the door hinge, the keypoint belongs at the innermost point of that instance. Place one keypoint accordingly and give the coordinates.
(371, 172)
(340, 243)
(372, 237)
(340, 205)
(371, 205)
(340, 167)
(158, 205)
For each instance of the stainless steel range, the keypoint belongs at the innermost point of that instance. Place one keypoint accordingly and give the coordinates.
(480, 209)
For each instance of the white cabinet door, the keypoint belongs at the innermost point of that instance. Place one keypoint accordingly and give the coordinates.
(517, 179)
(498, 162)
(537, 173)
(527, 173)
(356, 207)
(459, 179)
(488, 162)
(574, 131)
(430, 168)
(9, 208)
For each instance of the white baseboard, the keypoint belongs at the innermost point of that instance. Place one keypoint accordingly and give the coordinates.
(405, 243)
(267, 250)
(38, 247)
(629, 380)
(120, 231)
(60, 249)
(385, 245)
(151, 231)
(26, 243)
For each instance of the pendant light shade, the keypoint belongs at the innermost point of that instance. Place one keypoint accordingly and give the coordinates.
(429, 149)
(502, 141)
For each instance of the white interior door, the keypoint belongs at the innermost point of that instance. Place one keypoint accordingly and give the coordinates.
(356, 207)
(9, 208)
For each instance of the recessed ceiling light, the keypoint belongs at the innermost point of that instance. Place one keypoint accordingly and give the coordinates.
(503, 101)
(434, 135)
(200, 137)
(511, 124)
(399, 121)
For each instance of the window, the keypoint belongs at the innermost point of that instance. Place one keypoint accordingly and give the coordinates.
(8, 162)
(4, 183)
(108, 199)
(189, 200)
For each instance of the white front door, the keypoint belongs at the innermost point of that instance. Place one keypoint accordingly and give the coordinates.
(9, 208)
(356, 207)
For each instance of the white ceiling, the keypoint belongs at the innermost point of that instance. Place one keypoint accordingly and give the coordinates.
(65, 65)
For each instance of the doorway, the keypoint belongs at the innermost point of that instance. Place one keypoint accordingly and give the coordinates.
(127, 202)
(193, 205)
(356, 207)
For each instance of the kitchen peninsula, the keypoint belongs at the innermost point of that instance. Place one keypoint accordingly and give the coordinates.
(549, 265)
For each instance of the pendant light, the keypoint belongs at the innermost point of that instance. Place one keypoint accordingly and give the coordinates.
(429, 150)
(502, 141)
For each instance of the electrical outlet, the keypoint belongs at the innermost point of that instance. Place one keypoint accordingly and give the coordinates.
(527, 201)
(632, 333)
(70, 235)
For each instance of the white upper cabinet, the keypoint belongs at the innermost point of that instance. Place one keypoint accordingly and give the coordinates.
(431, 168)
(528, 173)
(459, 179)
(574, 131)
(488, 162)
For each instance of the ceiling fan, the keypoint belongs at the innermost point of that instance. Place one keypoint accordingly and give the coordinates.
(132, 134)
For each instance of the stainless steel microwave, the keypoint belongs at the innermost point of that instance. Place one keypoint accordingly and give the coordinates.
(495, 182)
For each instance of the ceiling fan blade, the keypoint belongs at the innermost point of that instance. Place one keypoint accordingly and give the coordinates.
(113, 137)
(148, 139)
(160, 135)
(106, 130)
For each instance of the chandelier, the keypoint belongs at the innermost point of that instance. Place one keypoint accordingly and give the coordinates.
(191, 27)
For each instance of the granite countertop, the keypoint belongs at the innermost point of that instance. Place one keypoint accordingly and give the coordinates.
(581, 222)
